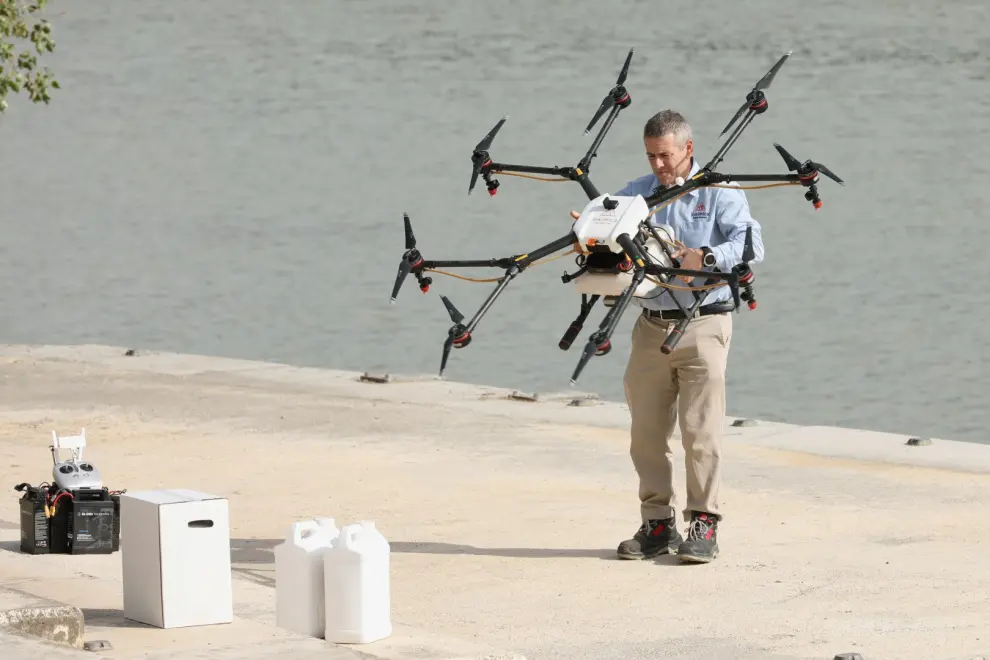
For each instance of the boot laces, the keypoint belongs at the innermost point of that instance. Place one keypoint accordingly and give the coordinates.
(650, 526)
(699, 527)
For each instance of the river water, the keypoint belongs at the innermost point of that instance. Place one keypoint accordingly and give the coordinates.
(229, 178)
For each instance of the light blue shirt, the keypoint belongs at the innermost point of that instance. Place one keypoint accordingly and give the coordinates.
(716, 217)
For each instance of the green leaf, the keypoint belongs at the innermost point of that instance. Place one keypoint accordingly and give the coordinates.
(20, 21)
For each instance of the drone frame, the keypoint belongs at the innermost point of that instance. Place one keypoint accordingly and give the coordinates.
(459, 335)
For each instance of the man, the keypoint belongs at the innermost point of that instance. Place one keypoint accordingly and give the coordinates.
(688, 384)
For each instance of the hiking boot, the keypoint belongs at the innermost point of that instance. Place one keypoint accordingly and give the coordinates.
(655, 537)
(701, 544)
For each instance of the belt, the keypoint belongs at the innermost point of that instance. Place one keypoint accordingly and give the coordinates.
(704, 310)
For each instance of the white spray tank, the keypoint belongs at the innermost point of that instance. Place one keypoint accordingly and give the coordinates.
(299, 598)
(357, 586)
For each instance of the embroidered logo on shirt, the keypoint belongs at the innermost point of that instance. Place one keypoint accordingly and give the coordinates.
(699, 211)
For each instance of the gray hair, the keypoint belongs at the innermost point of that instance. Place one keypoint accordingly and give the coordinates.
(668, 122)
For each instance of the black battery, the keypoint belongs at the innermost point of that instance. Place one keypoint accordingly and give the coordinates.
(115, 498)
(34, 521)
(85, 523)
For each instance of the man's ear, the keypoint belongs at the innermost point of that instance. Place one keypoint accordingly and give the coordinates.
(689, 145)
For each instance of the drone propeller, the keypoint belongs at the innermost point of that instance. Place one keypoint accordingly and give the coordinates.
(748, 253)
(479, 157)
(808, 167)
(457, 336)
(755, 100)
(411, 260)
(617, 96)
(808, 174)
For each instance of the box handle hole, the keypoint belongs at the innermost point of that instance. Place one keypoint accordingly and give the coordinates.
(201, 523)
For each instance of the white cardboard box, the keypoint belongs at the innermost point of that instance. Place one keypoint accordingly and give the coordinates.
(175, 553)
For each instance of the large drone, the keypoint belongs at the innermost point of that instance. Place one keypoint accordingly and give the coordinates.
(621, 255)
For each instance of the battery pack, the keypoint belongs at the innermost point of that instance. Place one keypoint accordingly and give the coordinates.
(34, 522)
(115, 498)
(92, 528)
(85, 524)
(81, 521)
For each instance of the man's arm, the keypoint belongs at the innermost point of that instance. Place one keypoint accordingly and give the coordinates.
(733, 217)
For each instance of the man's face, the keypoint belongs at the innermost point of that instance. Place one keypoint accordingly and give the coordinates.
(668, 160)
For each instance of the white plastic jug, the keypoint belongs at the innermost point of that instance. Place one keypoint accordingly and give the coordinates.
(357, 588)
(299, 599)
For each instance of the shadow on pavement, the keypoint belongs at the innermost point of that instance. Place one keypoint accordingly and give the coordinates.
(259, 551)
(10, 546)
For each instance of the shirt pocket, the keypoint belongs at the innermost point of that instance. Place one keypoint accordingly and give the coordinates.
(694, 232)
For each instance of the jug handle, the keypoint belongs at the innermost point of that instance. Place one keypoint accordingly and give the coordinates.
(305, 525)
(347, 535)
(326, 522)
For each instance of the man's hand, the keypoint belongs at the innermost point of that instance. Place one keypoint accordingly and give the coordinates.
(690, 259)
(575, 215)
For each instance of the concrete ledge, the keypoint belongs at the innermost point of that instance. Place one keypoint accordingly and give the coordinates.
(62, 624)
(20, 646)
(48, 620)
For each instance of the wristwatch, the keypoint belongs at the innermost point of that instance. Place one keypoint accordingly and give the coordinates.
(707, 257)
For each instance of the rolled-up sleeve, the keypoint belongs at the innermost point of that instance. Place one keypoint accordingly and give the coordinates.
(628, 190)
(732, 216)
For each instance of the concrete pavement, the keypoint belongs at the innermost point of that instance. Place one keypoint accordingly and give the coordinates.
(503, 515)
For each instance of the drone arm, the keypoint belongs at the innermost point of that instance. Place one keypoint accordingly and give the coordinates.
(515, 266)
(460, 333)
(504, 168)
(568, 240)
(699, 180)
(585, 163)
(587, 186)
(502, 263)
(678, 329)
(431, 264)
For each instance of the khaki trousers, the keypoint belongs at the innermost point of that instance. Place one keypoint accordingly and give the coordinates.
(689, 385)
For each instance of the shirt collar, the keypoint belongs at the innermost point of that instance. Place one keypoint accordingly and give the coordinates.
(695, 168)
